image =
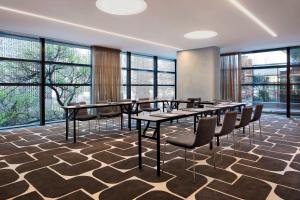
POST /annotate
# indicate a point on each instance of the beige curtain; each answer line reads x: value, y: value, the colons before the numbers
x: 107, y: 74
x: 230, y: 78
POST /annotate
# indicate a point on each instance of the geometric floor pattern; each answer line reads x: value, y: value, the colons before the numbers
x: 37, y: 163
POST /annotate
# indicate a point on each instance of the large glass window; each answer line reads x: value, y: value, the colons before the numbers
x: 142, y: 77
x: 68, y: 77
x: 124, y: 75
x: 166, y: 79
x: 264, y: 79
x: 147, y: 81
x: 295, y: 81
x: 19, y: 80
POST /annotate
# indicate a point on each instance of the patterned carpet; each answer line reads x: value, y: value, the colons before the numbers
x: 37, y: 163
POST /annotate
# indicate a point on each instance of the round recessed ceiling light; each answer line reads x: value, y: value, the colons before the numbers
x: 200, y: 34
x: 121, y: 7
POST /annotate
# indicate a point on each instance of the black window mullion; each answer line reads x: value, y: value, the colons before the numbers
x: 128, y: 74
x: 175, y: 79
x: 155, y: 81
x: 42, y: 83
x: 288, y: 83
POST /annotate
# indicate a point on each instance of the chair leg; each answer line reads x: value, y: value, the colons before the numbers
x: 259, y: 127
x: 162, y: 168
x: 194, y: 174
x: 221, y: 149
x: 253, y: 130
x: 233, y: 139
x: 185, y: 154
x: 78, y: 129
x: 250, y: 135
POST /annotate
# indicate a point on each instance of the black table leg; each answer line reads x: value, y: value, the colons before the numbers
x: 121, y: 109
x: 74, y: 125
x: 140, y: 142
x: 129, y: 119
x: 218, y: 116
x: 121, y: 120
x: 195, y: 122
x: 158, y: 148
x: 67, y: 123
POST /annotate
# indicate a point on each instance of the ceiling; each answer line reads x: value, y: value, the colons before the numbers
x: 164, y: 22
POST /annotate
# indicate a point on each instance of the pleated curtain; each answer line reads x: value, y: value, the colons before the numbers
x: 107, y: 74
x: 230, y: 78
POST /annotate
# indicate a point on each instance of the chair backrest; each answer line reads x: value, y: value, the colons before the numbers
x: 205, y: 131
x: 144, y: 105
x: 126, y: 107
x: 228, y: 123
x: 80, y: 112
x: 246, y: 116
x: 193, y: 102
x: 257, y: 112
x: 103, y: 109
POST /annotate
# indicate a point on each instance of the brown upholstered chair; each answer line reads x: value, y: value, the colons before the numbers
x: 129, y: 108
x: 146, y: 107
x: 82, y: 114
x: 106, y: 113
x: 256, y: 116
x: 204, y: 135
x: 227, y: 127
x: 245, y: 120
x: 194, y: 102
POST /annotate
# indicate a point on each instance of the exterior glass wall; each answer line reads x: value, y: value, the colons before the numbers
x: 67, y: 78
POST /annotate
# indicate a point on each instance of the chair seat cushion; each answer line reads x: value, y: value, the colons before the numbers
x: 218, y: 131
x: 85, y: 117
x: 237, y: 124
x: 185, y: 140
x: 109, y: 114
x: 150, y: 109
x: 132, y: 112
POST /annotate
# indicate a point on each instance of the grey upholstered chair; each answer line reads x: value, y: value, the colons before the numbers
x: 203, y: 135
x: 82, y: 114
x: 245, y: 120
x: 227, y: 127
x: 256, y: 116
x: 106, y: 113
x: 146, y: 107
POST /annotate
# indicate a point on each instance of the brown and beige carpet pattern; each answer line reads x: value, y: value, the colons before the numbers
x: 37, y: 163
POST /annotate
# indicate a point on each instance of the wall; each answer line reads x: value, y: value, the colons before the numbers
x: 198, y: 73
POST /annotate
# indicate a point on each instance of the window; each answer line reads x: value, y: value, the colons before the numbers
x: 19, y: 80
x: 264, y: 79
x: 295, y: 81
x: 68, y: 77
x: 146, y: 80
x: 166, y: 79
x: 124, y: 75
x: 142, y: 77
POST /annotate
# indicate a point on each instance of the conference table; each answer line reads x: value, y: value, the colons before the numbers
x: 73, y: 110
x: 128, y: 106
x: 159, y: 118
x: 134, y: 107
